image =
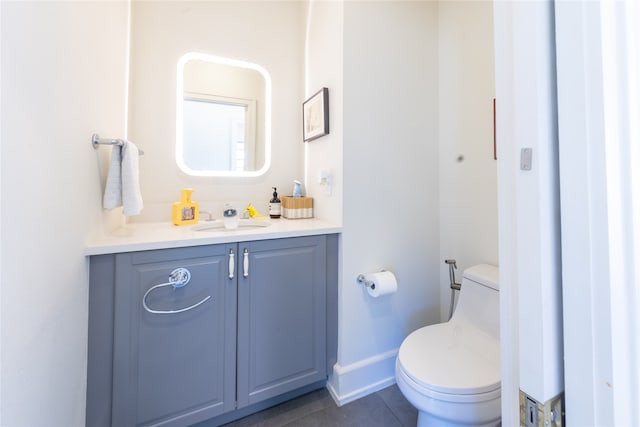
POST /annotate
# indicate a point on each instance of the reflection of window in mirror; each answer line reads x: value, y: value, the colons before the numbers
x: 222, y: 117
x: 218, y: 133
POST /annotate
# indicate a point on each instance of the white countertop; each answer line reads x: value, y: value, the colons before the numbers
x: 162, y: 235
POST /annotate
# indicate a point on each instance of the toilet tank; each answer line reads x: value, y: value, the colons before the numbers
x: 479, y: 300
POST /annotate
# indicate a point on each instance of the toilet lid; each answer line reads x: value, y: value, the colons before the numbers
x: 452, y: 357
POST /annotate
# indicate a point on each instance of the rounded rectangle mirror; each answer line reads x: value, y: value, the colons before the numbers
x: 223, y: 117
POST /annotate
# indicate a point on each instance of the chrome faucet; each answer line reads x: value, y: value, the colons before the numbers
x: 210, y: 218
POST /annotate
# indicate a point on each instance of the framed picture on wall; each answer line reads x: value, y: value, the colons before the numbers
x: 315, y: 115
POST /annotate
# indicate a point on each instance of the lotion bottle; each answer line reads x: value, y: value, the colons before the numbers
x: 274, y: 205
x: 185, y: 211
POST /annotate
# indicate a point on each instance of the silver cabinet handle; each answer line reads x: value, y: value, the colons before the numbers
x: 178, y: 278
x: 245, y: 263
x: 232, y: 264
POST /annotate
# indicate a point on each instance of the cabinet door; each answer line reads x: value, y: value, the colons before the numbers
x: 281, y: 316
x: 173, y: 369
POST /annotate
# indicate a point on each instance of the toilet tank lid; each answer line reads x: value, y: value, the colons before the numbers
x: 485, y: 274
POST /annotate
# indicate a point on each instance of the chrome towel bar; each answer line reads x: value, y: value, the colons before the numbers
x: 96, y: 140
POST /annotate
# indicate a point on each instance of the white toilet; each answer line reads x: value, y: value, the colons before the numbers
x: 451, y: 371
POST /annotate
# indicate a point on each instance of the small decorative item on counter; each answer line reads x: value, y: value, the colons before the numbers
x: 185, y: 211
x: 297, y: 207
x: 297, y: 188
x: 274, y: 205
x: 253, y: 212
x: 230, y: 217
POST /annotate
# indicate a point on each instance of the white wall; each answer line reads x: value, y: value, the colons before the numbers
x: 468, y: 186
x: 269, y: 34
x: 598, y: 106
x: 531, y: 330
x: 390, y: 208
x: 63, y: 77
x: 538, y: 207
x: 324, y: 68
x: 598, y: 47
x: 507, y: 167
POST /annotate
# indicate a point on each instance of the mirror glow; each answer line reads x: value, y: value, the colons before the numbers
x: 223, y: 117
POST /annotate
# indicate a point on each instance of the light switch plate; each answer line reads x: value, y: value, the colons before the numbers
x: 525, y: 159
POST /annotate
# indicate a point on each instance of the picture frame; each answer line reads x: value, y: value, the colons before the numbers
x: 315, y: 115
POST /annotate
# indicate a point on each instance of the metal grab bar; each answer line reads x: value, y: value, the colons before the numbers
x: 178, y: 279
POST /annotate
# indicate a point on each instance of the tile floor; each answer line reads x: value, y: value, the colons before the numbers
x: 385, y: 408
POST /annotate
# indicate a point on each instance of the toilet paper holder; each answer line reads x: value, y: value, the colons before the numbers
x: 362, y: 279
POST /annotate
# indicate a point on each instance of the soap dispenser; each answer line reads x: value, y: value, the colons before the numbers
x: 297, y: 188
x: 274, y: 205
x: 185, y: 211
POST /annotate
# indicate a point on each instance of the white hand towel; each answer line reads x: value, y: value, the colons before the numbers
x: 113, y: 190
x: 123, y: 183
x: 131, y: 196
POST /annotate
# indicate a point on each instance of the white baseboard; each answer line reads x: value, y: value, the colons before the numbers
x: 351, y: 382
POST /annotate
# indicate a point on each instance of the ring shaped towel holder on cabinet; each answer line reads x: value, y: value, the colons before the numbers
x: 178, y: 279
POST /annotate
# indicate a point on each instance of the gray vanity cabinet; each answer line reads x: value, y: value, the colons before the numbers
x: 281, y: 317
x: 173, y: 366
x: 250, y: 327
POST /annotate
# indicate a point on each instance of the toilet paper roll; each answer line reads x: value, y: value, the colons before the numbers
x: 382, y: 283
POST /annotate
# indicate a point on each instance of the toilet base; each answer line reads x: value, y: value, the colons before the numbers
x: 434, y: 412
x: 427, y: 420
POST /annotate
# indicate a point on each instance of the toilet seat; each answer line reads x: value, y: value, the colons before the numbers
x: 452, y: 360
x: 403, y: 379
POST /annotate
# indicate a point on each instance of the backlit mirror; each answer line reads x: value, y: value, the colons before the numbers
x: 223, y: 117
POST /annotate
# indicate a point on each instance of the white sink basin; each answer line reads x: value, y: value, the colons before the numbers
x: 218, y: 225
